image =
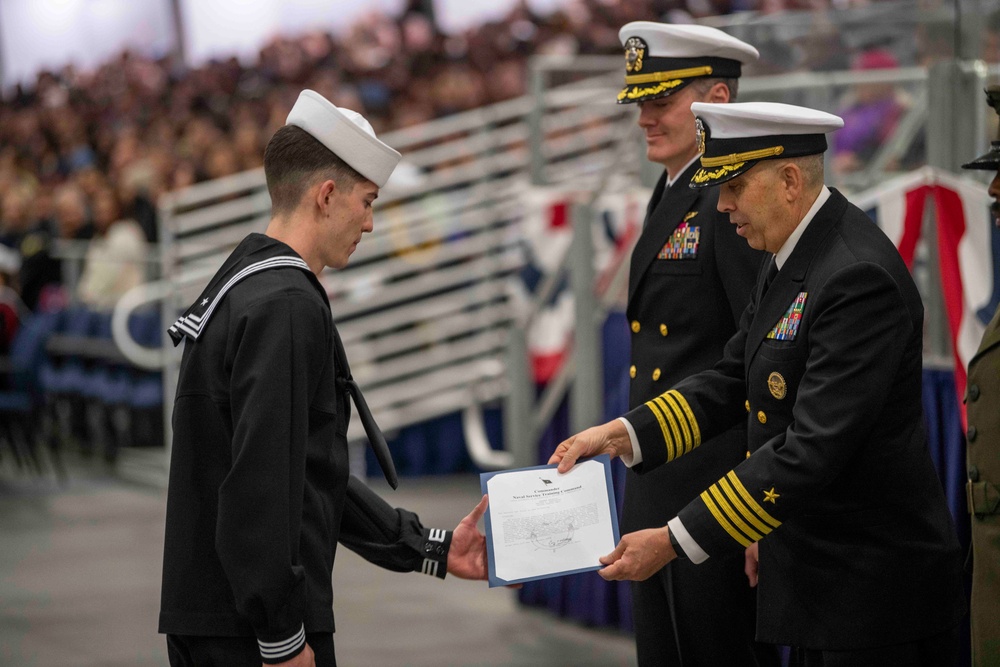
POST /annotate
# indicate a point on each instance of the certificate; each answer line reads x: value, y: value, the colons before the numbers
x: 541, y: 524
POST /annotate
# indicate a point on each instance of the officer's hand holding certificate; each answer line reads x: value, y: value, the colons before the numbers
x: 542, y: 524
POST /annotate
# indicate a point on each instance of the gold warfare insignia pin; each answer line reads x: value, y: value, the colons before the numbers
x: 700, y: 134
x: 690, y: 214
x: 776, y: 384
x: 635, y: 50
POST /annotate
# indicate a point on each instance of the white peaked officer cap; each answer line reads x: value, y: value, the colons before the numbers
x: 346, y: 133
x: 662, y: 58
x: 733, y: 138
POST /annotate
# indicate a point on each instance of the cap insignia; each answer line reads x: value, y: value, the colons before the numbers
x: 699, y: 128
x: 635, y: 50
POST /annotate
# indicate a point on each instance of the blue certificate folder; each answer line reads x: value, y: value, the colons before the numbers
x: 485, y: 477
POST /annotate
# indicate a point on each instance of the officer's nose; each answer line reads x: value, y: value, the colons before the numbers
x: 646, y: 116
x: 727, y: 202
x: 994, y: 190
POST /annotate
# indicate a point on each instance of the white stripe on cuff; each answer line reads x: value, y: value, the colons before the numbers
x: 430, y: 567
x: 275, y: 650
x: 694, y: 552
x: 437, y: 535
x: 636, y: 458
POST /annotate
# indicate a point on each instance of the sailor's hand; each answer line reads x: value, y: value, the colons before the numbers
x: 467, y: 555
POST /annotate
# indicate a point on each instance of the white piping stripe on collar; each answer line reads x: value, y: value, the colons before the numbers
x: 200, y: 321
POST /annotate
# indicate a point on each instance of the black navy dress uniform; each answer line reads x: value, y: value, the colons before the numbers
x: 259, y: 491
x: 690, y: 279
x: 857, y: 547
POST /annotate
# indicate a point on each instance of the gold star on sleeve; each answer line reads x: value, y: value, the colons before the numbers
x: 736, y: 511
x: 771, y: 496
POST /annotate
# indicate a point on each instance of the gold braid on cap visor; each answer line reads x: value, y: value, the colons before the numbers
x: 733, y: 158
x: 635, y: 93
x: 664, y: 81
x: 702, y: 176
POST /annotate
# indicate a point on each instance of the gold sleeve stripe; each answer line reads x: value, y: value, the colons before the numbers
x: 737, y: 502
x: 673, y: 441
x: 676, y: 448
x: 663, y: 427
x: 669, y: 400
x: 707, y: 499
x: 751, y: 503
x: 721, y: 501
x: 695, y: 431
x: 675, y: 423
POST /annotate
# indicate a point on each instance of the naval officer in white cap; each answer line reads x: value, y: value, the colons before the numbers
x: 259, y: 492
x: 688, y: 255
x: 858, y: 560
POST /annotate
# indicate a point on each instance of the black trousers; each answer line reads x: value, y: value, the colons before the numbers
x: 190, y: 651
x: 704, y: 615
x: 940, y: 650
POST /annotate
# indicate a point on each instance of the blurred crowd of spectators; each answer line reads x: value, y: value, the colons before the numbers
x: 85, y: 155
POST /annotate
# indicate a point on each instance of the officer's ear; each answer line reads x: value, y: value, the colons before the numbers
x: 792, y: 180
x: 719, y: 93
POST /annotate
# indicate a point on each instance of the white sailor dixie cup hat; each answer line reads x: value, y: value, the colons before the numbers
x: 346, y: 133
x: 733, y: 138
x: 661, y: 58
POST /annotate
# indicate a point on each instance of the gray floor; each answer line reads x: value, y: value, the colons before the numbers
x: 79, y: 587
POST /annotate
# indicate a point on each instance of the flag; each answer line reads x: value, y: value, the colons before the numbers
x: 968, y: 249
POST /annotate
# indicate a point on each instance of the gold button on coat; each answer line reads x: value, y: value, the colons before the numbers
x: 635, y: 326
x: 748, y: 406
x: 761, y: 417
x: 663, y: 329
x: 656, y: 374
x: 631, y: 372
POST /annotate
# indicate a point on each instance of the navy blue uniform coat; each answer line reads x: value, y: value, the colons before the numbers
x: 259, y: 491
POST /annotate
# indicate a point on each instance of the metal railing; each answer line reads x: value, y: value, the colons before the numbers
x: 429, y: 302
x: 429, y: 308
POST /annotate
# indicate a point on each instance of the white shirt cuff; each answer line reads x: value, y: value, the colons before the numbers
x: 694, y: 552
x: 636, y: 457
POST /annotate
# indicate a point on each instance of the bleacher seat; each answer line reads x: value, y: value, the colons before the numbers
x: 21, y: 399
